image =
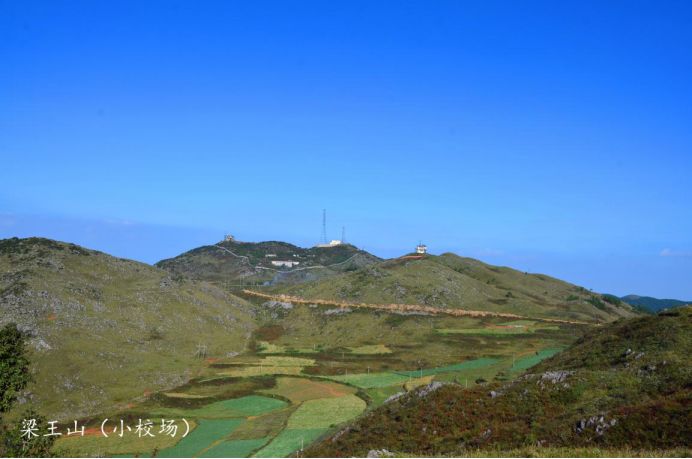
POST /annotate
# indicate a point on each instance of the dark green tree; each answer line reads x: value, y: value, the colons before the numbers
x: 14, y: 366
x: 14, y: 376
x: 17, y: 444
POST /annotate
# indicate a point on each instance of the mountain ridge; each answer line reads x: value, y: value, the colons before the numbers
x: 104, y: 328
x: 267, y: 262
x: 452, y: 281
x: 653, y: 304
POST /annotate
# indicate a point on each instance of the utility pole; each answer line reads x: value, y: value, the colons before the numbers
x: 201, y: 350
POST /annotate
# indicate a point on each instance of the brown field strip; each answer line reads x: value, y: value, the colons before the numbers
x: 394, y: 307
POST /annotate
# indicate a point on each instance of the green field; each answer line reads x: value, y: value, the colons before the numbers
x: 234, y: 448
x: 207, y: 432
x: 367, y: 381
x: 289, y: 441
x: 128, y: 445
x: 531, y: 360
x: 251, y: 405
x: 469, y: 365
x: 310, y: 420
x: 326, y: 412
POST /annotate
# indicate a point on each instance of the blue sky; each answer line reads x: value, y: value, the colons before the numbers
x: 548, y: 136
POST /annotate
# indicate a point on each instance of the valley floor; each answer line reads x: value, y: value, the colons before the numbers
x: 312, y: 369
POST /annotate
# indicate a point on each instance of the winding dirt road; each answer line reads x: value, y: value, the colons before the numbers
x: 394, y: 307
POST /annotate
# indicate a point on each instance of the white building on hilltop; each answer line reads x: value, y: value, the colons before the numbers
x: 422, y: 249
x: 287, y: 263
x: 332, y: 243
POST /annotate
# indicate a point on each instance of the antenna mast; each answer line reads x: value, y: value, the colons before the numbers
x: 343, y: 235
x: 324, y: 226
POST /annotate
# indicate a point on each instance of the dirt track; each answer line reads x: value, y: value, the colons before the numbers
x: 407, y: 308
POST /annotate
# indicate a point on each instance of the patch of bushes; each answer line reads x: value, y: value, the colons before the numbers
x: 597, y: 302
x: 612, y: 299
x: 643, y: 405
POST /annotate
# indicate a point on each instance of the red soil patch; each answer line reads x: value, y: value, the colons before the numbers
x: 90, y: 432
x: 301, y: 389
x: 269, y: 332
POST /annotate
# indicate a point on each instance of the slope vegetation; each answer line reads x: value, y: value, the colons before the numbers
x: 624, y: 385
x: 235, y: 262
x: 653, y: 304
x: 104, y: 330
x: 450, y: 281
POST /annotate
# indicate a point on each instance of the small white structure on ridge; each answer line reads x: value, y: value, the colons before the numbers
x: 287, y: 263
x: 332, y: 243
x: 421, y: 249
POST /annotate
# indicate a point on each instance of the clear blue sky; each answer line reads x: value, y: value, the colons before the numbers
x: 548, y: 136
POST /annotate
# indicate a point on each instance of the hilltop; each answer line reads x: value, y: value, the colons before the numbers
x: 622, y: 386
x: 104, y: 330
x: 451, y: 281
x: 653, y: 304
x: 251, y: 262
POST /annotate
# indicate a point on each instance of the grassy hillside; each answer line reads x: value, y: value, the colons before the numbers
x: 234, y: 262
x: 653, y: 304
x: 104, y: 330
x: 450, y: 281
x: 623, y: 386
x: 329, y: 365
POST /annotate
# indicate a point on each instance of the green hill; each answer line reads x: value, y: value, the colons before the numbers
x: 234, y: 262
x: 104, y: 330
x: 626, y: 386
x: 653, y: 304
x: 450, y: 281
